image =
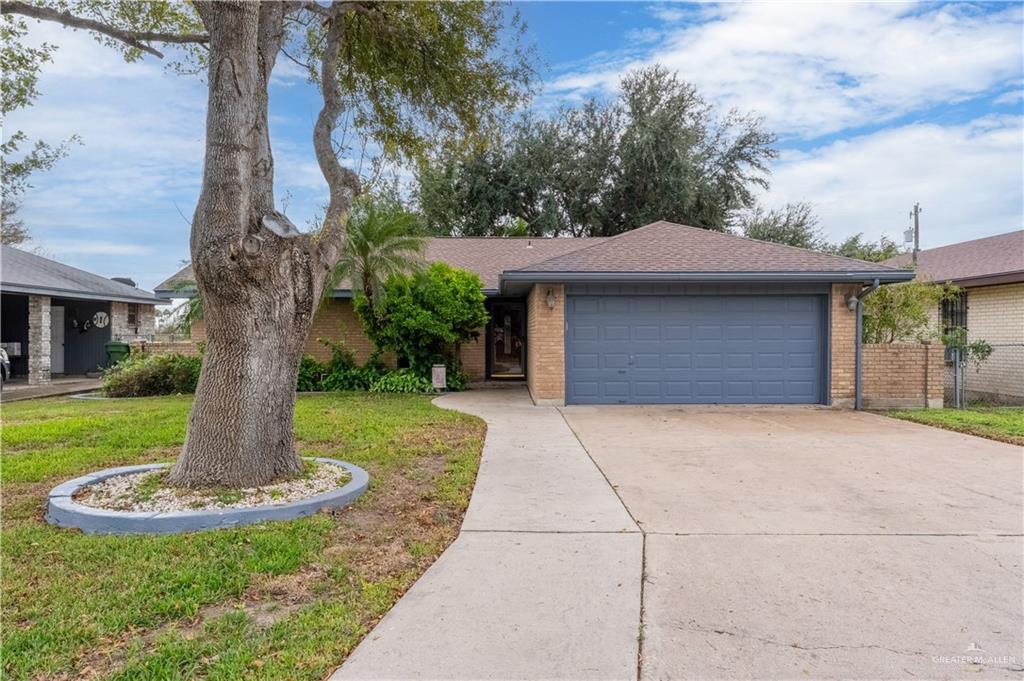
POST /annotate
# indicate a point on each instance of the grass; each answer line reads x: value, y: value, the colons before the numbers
x: 270, y: 601
x: 1005, y: 424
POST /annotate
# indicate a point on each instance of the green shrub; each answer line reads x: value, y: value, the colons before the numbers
x: 401, y: 381
x: 456, y: 376
x: 311, y: 375
x: 424, y: 317
x: 341, y: 372
x: 141, y: 375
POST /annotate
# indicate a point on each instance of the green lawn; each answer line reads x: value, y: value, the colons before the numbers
x: 997, y: 423
x: 271, y: 601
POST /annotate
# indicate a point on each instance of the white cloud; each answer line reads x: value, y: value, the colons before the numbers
x: 1014, y: 96
x: 817, y: 68
x: 968, y: 179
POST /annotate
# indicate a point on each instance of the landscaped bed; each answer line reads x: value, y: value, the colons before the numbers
x: 1005, y: 424
x: 149, y: 492
x: 272, y: 600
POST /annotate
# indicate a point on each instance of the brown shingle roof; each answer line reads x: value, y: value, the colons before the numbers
x: 665, y: 247
x: 989, y: 257
x: 490, y: 256
x: 487, y: 256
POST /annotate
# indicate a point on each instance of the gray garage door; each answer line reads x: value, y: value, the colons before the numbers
x: 674, y: 349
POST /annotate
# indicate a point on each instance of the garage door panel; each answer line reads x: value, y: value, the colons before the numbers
x: 693, y: 349
x: 615, y: 305
x: 646, y: 332
x: 585, y: 332
x: 647, y: 360
x: 739, y: 360
x: 615, y: 332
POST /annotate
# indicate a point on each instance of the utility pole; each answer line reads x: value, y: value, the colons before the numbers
x: 916, y: 215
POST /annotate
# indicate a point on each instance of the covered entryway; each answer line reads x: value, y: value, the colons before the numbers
x: 695, y: 349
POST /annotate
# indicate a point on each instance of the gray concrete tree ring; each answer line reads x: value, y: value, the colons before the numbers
x: 62, y: 510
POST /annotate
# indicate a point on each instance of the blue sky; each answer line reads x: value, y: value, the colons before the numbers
x: 876, y: 106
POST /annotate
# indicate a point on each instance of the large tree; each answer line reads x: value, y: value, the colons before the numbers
x: 658, y: 151
x: 408, y: 76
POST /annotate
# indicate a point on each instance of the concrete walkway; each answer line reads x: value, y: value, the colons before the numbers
x: 17, y: 390
x: 542, y: 583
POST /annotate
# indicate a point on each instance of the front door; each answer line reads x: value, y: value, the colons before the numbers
x: 56, y: 339
x: 508, y: 340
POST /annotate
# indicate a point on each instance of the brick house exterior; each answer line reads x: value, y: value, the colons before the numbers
x: 786, y: 318
x: 990, y: 273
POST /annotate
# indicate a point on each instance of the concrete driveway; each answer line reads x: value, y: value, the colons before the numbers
x: 811, y: 543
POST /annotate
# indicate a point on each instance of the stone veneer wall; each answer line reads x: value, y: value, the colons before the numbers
x: 145, y: 329
x: 902, y: 375
x: 545, y: 345
x: 844, y: 346
x: 38, y: 339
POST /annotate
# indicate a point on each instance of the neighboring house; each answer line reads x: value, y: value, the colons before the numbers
x: 56, y: 319
x: 990, y: 272
x: 661, y: 314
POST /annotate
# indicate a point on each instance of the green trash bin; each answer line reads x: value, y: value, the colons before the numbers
x: 116, y: 351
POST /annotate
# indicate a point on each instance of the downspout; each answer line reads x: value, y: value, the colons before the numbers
x: 858, y: 302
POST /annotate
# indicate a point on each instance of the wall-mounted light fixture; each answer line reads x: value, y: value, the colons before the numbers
x: 551, y: 299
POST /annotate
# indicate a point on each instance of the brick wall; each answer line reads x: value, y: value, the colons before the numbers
x: 183, y: 347
x: 545, y: 345
x: 38, y: 339
x: 996, y: 314
x: 474, y: 359
x: 902, y: 375
x: 844, y: 346
x: 337, y: 321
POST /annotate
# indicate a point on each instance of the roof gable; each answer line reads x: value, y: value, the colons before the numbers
x: 666, y: 247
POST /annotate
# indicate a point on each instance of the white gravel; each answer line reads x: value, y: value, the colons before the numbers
x: 121, y: 492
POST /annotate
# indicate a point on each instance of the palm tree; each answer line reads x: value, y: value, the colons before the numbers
x: 380, y: 241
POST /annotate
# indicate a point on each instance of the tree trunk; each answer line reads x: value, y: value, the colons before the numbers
x: 259, y: 278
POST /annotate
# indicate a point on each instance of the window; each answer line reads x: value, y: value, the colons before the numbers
x: 954, y: 316
x: 133, y: 316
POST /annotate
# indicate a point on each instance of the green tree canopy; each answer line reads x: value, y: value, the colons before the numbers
x: 857, y: 247
x: 658, y: 152
x: 794, y: 225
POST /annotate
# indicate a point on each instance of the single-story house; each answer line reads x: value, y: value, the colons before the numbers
x: 56, y: 319
x: 990, y: 274
x: 662, y: 314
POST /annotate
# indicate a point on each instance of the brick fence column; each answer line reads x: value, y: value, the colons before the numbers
x: 935, y: 369
x: 38, y: 339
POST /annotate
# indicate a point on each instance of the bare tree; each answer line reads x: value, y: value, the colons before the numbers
x: 411, y: 74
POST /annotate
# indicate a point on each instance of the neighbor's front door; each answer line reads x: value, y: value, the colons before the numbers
x: 508, y: 340
x: 56, y: 339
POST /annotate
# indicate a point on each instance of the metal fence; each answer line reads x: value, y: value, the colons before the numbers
x: 997, y: 380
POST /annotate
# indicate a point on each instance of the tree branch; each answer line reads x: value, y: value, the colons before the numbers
x: 342, y: 182
x: 136, y: 39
